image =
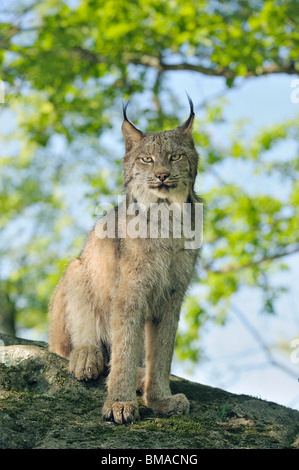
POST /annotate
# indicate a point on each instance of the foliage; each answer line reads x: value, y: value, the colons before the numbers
x: 68, y: 65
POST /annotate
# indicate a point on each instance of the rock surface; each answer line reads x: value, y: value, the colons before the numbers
x: 43, y: 407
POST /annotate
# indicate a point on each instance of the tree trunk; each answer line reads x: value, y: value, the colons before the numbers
x: 8, y: 313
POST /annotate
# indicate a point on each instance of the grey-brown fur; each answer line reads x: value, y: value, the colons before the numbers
x: 118, y: 304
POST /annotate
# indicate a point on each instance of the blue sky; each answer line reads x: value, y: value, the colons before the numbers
x: 234, y: 359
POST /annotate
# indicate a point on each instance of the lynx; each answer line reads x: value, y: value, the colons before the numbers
x: 117, y: 306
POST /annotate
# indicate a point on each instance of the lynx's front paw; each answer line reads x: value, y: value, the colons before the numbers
x: 86, y: 362
x: 120, y: 411
x: 170, y: 405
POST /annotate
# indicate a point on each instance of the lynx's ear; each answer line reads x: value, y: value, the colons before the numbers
x: 131, y: 134
x: 186, y: 128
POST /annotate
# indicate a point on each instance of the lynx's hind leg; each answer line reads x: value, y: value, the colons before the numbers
x: 59, y: 337
x: 86, y: 362
x: 77, y: 318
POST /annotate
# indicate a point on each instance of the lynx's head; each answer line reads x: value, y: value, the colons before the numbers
x: 160, y: 166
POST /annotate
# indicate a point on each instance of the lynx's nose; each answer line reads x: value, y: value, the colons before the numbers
x: 162, y: 175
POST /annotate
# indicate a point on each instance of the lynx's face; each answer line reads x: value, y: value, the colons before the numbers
x: 160, y: 166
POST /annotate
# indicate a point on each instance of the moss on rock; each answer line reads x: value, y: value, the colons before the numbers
x: 43, y: 406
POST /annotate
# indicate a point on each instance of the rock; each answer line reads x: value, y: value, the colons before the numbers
x: 43, y: 407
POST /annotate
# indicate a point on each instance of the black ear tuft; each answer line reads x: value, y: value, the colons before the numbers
x: 131, y: 134
x: 186, y: 127
x: 125, y: 110
x: 192, y: 114
x: 190, y: 103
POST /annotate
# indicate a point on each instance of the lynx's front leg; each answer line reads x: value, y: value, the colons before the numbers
x: 126, y: 333
x: 160, y: 336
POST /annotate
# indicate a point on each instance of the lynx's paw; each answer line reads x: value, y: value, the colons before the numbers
x: 120, y: 411
x: 174, y: 404
x: 86, y: 362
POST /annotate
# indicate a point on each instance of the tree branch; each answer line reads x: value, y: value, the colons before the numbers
x: 157, y: 63
x: 228, y: 73
x: 259, y: 339
x: 239, y: 267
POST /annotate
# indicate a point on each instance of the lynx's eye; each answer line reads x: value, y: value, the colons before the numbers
x: 147, y: 159
x: 175, y: 158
